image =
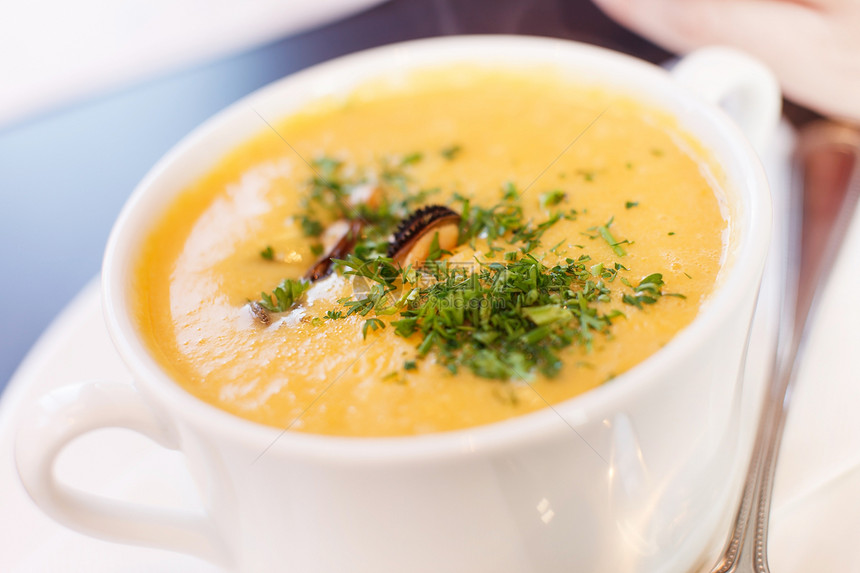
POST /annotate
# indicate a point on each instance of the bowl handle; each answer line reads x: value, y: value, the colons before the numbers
x: 744, y: 87
x: 72, y: 411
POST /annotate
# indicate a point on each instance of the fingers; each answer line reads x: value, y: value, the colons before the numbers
x: 811, y: 47
x: 682, y: 25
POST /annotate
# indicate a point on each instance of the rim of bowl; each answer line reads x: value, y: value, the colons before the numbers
x: 123, y: 248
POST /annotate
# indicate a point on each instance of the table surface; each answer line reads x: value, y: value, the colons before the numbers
x: 65, y: 175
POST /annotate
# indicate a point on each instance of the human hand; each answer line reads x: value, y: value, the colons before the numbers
x: 813, y: 46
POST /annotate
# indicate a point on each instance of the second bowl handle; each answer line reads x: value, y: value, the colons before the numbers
x: 72, y: 411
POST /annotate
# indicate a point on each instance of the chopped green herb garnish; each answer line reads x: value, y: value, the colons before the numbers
x: 451, y: 152
x: 543, y: 315
x: 373, y: 324
x: 631, y: 204
x: 268, y: 253
x: 502, y: 321
x: 670, y: 233
x: 311, y: 227
x: 603, y: 230
x: 284, y: 295
x: 555, y: 247
x: 327, y: 166
x: 329, y: 198
x: 435, y: 253
x: 494, y: 223
x: 552, y: 198
x: 510, y: 192
x: 648, y: 291
x: 411, y: 158
x: 507, y: 316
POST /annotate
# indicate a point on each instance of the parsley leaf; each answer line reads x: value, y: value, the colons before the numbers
x: 451, y: 152
x: 284, y: 295
x: 372, y: 324
x: 604, y: 232
x: 648, y: 291
x: 552, y: 198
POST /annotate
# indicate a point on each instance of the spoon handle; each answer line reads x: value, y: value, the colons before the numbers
x: 822, y: 202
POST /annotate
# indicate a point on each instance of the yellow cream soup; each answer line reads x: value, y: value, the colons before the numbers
x: 563, y: 147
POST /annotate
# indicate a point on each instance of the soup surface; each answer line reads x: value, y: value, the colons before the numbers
x: 589, y: 234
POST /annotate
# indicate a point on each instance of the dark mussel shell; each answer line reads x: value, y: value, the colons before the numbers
x: 417, y: 224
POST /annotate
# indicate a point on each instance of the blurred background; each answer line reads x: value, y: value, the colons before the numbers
x: 93, y: 92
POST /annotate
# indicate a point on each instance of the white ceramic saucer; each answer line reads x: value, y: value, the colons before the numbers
x: 817, y: 510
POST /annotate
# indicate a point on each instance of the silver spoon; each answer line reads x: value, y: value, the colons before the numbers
x: 823, y: 199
